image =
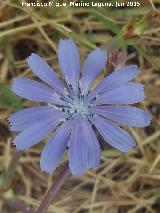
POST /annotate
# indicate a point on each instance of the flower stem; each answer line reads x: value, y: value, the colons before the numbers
x: 52, y: 192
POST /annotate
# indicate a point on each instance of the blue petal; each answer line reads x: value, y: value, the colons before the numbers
x: 54, y: 149
x: 84, y: 149
x: 35, y: 91
x: 41, y: 69
x: 126, y: 115
x: 128, y: 94
x: 93, y: 65
x: 116, y: 79
x: 69, y: 62
x: 114, y: 135
x: 35, y: 134
x: 28, y: 117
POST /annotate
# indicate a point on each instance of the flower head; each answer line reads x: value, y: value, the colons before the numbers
x: 71, y: 109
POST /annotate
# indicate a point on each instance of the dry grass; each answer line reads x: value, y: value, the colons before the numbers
x: 124, y: 182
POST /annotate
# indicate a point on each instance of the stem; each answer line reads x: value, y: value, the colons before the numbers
x: 52, y: 192
x: 9, y: 174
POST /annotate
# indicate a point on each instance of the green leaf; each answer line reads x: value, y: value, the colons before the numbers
x: 107, y: 22
x: 8, y: 98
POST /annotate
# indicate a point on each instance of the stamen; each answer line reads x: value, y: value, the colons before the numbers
x: 76, y: 104
x: 64, y: 99
x: 72, y: 92
x: 95, y: 98
x: 63, y: 109
x: 70, y: 88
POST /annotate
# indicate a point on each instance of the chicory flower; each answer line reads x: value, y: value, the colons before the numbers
x: 71, y: 108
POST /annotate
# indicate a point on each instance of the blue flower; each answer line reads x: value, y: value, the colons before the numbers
x: 71, y: 109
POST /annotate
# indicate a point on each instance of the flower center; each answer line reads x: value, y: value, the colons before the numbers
x: 79, y: 107
x: 75, y: 105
